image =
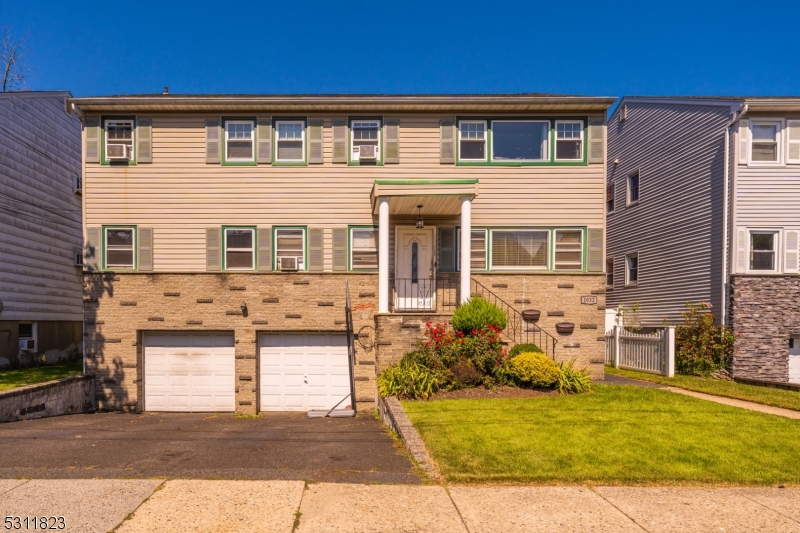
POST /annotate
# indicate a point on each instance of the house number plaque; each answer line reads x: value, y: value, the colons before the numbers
x: 589, y: 300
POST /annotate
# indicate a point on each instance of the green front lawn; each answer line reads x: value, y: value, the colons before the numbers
x: 613, y: 435
x: 776, y: 397
x: 11, y: 379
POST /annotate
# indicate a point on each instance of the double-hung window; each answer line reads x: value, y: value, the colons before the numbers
x: 520, y: 140
x: 240, y: 248
x: 477, y: 249
x: 239, y: 141
x: 568, y: 250
x: 610, y: 273
x: 569, y: 140
x: 363, y: 249
x: 519, y: 249
x: 766, y: 142
x: 633, y: 188
x: 119, y: 140
x: 290, y: 141
x: 472, y: 140
x: 365, y: 140
x: 610, y: 198
x: 120, y: 248
x: 632, y: 269
x: 763, y: 250
x: 290, y: 243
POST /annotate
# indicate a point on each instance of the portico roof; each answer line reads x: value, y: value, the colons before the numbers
x: 438, y: 197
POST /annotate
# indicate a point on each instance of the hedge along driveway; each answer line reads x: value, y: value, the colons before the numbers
x: 614, y: 435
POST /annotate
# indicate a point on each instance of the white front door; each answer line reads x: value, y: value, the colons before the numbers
x: 415, y: 276
x: 794, y: 359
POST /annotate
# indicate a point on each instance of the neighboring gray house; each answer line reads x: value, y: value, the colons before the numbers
x: 703, y: 206
x: 40, y: 228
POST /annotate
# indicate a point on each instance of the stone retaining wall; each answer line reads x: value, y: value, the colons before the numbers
x: 53, y: 398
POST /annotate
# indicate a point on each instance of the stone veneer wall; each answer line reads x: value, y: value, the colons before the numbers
x: 764, y: 311
x: 119, y: 307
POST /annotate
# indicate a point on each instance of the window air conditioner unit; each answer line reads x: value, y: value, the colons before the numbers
x: 78, y: 258
x: 27, y: 345
x: 367, y: 152
x: 288, y: 263
x: 117, y: 152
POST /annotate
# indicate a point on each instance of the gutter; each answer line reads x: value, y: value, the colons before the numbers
x: 729, y: 164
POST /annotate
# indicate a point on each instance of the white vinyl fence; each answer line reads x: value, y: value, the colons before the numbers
x: 648, y: 352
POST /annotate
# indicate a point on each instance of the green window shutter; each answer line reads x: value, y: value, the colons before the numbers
x: 315, y: 250
x: 596, y: 148
x: 145, y: 251
x: 391, y: 141
x: 340, y: 249
x: 92, y: 250
x: 264, y: 140
x: 315, y: 141
x: 92, y: 128
x: 447, y: 250
x: 339, y: 126
x: 213, y: 249
x: 144, y: 140
x: 744, y: 142
x: 594, y: 261
x: 447, y: 142
x: 265, y: 249
x: 213, y: 152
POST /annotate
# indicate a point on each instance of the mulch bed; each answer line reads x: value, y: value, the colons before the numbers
x: 503, y: 391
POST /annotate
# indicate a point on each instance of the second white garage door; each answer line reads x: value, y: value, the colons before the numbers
x: 303, y: 371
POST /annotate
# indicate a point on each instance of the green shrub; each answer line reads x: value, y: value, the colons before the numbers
x: 476, y: 315
x: 572, y: 380
x: 522, y: 348
x: 701, y: 347
x: 409, y: 379
x: 534, y: 369
x: 464, y: 374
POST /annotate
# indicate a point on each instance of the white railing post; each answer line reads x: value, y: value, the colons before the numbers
x: 670, y: 339
x: 616, y: 346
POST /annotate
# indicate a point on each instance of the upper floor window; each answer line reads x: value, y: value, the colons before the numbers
x: 364, y: 249
x: 763, y: 249
x: 120, y: 246
x: 290, y: 141
x: 520, y: 140
x: 119, y: 140
x: 472, y: 140
x: 766, y: 141
x: 633, y: 188
x: 632, y: 269
x: 239, y: 140
x: 240, y: 249
x: 519, y: 249
x: 569, y: 140
x: 609, y: 273
x: 610, y: 198
x: 290, y: 246
x: 365, y: 140
x: 568, y: 250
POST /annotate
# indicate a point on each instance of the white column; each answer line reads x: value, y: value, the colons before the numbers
x: 466, y: 251
x: 383, y: 254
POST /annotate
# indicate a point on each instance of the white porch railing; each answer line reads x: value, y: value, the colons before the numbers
x: 647, y: 352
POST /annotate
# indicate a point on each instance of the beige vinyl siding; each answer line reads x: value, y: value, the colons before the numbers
x: 179, y: 194
x: 40, y: 217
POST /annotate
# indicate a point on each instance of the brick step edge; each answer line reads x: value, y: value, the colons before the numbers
x: 393, y: 415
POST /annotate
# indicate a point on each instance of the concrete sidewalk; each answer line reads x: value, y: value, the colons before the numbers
x: 129, y: 506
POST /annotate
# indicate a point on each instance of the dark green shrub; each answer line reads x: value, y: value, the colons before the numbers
x: 408, y: 379
x: 464, y: 374
x: 534, y: 369
x: 476, y: 315
x: 701, y: 347
x: 572, y: 380
x: 521, y: 348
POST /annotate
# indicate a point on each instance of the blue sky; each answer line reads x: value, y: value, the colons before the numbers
x: 578, y: 47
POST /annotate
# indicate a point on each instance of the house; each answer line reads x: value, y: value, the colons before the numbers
x: 701, y: 207
x: 224, y: 232
x: 40, y: 229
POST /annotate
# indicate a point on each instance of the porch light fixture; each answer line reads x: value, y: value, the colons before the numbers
x: 420, y: 223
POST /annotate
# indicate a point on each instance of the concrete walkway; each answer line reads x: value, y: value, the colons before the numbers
x: 129, y: 506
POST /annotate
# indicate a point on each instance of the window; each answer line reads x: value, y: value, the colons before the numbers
x: 763, y: 245
x: 239, y: 249
x: 25, y: 331
x: 120, y: 246
x: 609, y: 273
x: 239, y: 140
x: 365, y: 133
x: 364, y: 249
x: 633, y: 188
x: 766, y: 142
x: 290, y: 142
x: 520, y: 140
x: 632, y: 269
x: 519, y: 249
x: 610, y: 198
x: 569, y: 140
x: 290, y: 243
x: 477, y: 249
x: 568, y: 250
x: 472, y: 140
x: 119, y: 140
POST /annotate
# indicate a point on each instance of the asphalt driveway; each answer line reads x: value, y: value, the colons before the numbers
x: 204, y: 446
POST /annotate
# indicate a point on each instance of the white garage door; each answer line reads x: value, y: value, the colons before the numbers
x: 303, y: 371
x: 192, y: 372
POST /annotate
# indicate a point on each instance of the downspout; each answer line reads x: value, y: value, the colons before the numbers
x: 729, y: 164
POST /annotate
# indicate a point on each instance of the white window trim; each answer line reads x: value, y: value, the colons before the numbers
x: 377, y: 121
x: 485, y: 140
x: 302, y: 138
x: 485, y: 249
x: 582, y: 139
x: 105, y: 246
x: 613, y: 197
x: 781, y: 123
x: 130, y: 121
x: 777, y: 250
x: 352, y: 248
x: 610, y: 271
x: 302, y: 255
x: 252, y: 249
x: 583, y: 254
x: 229, y: 159
x: 492, y: 267
x: 628, y: 282
x: 546, y: 151
x: 628, y: 201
